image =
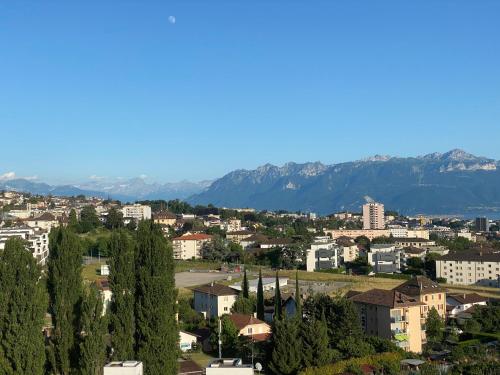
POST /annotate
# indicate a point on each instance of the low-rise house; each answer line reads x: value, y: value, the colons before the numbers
x: 253, y: 240
x: 268, y: 284
x: 470, y: 268
x: 413, y: 242
x: 322, y: 255
x: 165, y: 218
x: 238, y: 236
x: 414, y: 252
x: 251, y: 327
x: 186, y: 340
x: 270, y: 243
x: 190, y: 246
x: 214, y: 300
x: 391, y: 315
x: 458, y: 303
x: 46, y: 221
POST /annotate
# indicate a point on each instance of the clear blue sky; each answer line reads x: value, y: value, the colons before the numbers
x: 113, y: 88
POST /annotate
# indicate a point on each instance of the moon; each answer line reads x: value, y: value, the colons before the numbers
x: 171, y: 19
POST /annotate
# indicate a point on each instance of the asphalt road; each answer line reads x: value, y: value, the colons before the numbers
x: 188, y: 279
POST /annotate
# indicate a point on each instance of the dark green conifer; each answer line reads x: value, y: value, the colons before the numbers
x: 260, y: 298
x: 157, y: 333
x: 278, y: 309
x: 286, y: 357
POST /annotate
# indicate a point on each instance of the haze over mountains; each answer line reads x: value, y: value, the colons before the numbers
x: 455, y: 182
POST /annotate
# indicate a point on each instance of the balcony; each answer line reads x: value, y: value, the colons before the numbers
x: 398, y: 319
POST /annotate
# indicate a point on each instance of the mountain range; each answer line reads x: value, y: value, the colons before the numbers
x: 454, y: 182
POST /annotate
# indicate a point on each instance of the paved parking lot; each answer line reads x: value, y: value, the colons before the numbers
x: 188, y: 279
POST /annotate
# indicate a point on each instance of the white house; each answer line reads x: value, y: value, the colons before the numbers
x: 186, y: 340
x: 228, y: 366
x: 458, y: 303
x: 214, y: 299
x: 323, y: 254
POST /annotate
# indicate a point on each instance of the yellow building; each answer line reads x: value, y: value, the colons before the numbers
x: 165, y: 218
x: 391, y: 315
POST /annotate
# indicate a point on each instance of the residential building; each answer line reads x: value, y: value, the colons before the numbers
x: 348, y: 249
x: 137, y: 212
x: 251, y: 327
x: 37, y: 240
x: 186, y: 340
x: 238, y: 236
x: 398, y: 231
x: 458, y: 303
x: 373, y: 216
x: 123, y: 368
x: 385, y: 258
x: 228, y: 366
x: 46, y: 221
x: 190, y: 246
x: 470, y: 268
x: 413, y: 242
x: 482, y: 224
x: 270, y: 243
x: 429, y: 293
x: 231, y: 225
x: 391, y: 315
x: 322, y: 255
x: 354, y: 233
x: 165, y: 218
x: 214, y: 299
x: 268, y: 284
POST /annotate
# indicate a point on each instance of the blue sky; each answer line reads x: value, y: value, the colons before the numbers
x: 113, y: 88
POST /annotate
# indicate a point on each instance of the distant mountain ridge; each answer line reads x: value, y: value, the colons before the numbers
x: 454, y: 182
x: 438, y: 183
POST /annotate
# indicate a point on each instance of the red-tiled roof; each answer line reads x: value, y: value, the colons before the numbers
x: 243, y: 320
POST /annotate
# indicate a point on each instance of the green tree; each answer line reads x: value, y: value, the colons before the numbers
x: 73, y: 221
x: 244, y: 305
x: 315, y: 349
x: 114, y: 220
x: 244, y: 285
x: 229, y: 337
x: 298, y: 302
x: 286, y: 357
x: 122, y: 285
x: 260, y: 298
x: 22, y: 309
x: 65, y: 292
x: 157, y: 333
x: 278, y: 308
x: 89, y: 219
x: 472, y: 326
x: 93, y: 329
x: 434, y: 326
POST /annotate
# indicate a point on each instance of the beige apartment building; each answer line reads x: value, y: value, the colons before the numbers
x: 354, y: 233
x: 190, y: 246
x: 391, y: 315
x: 137, y: 212
x: 214, y: 300
x: 165, y: 218
x: 467, y: 268
x: 373, y: 216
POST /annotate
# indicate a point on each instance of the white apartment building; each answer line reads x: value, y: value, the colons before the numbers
x: 190, y: 246
x: 403, y: 232
x: 385, y: 258
x: 373, y: 216
x: 214, y: 299
x: 467, y: 268
x: 231, y: 225
x: 38, y: 241
x: 322, y: 255
x: 137, y: 212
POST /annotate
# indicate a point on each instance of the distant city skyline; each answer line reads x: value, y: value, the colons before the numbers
x: 193, y: 90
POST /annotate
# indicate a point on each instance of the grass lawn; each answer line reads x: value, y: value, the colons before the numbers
x: 202, y: 359
x: 90, y: 272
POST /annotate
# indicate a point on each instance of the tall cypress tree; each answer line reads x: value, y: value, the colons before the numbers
x: 65, y: 292
x: 298, y: 302
x: 278, y: 309
x: 286, y: 357
x: 315, y: 350
x: 122, y: 284
x: 22, y: 309
x: 260, y: 298
x: 157, y: 333
x: 92, y: 331
x: 244, y: 286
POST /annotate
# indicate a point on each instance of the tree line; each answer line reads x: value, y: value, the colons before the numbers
x: 80, y: 338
